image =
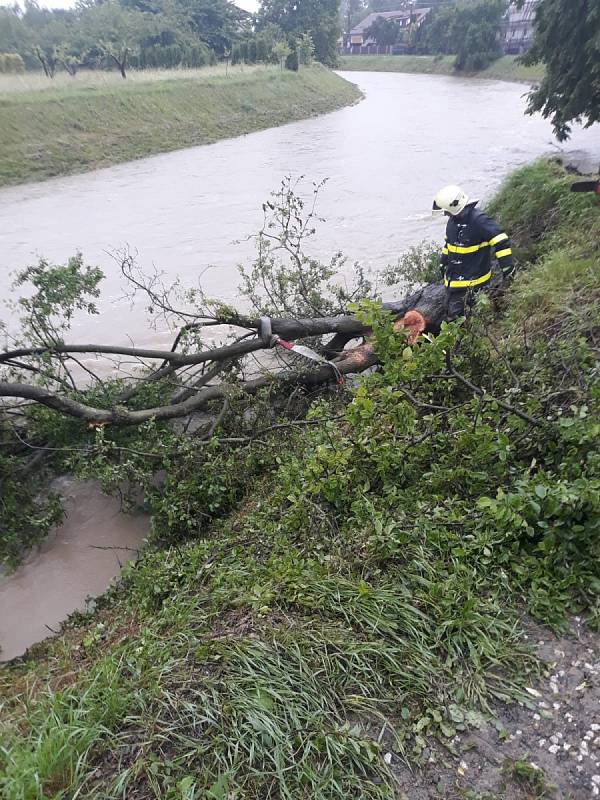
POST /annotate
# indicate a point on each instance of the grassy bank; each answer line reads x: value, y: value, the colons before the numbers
x: 505, y: 68
x: 321, y: 607
x: 89, y: 122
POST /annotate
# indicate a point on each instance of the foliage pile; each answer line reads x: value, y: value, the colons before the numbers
x: 353, y: 583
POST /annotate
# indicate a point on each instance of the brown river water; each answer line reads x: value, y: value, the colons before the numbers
x: 193, y: 209
x: 77, y: 561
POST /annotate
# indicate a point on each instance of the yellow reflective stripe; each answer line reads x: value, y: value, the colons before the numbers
x: 502, y: 253
x: 497, y: 239
x: 466, y: 284
x: 458, y: 249
x: 445, y: 251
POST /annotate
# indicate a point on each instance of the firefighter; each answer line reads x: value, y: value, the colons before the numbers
x: 466, y: 257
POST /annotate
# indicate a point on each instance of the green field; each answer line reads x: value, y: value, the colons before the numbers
x: 95, y: 120
x: 505, y: 68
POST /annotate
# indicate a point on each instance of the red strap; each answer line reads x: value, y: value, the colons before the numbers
x: 285, y: 345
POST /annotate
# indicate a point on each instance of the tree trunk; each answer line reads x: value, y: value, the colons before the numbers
x: 427, y: 304
x: 48, y: 64
x: 70, y: 68
x: 423, y: 312
x: 121, y: 62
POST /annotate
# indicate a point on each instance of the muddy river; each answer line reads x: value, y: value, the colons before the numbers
x: 188, y: 213
x: 76, y: 562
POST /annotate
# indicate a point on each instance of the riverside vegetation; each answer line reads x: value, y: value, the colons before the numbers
x: 507, y: 68
x: 75, y: 126
x: 351, y: 579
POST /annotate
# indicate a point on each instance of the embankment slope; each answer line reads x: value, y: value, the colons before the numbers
x: 344, y: 609
x: 63, y: 130
x: 506, y: 68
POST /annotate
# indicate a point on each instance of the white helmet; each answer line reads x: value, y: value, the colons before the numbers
x: 451, y: 199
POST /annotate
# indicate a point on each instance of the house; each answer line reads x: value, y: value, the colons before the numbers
x: 517, y: 31
x: 357, y: 41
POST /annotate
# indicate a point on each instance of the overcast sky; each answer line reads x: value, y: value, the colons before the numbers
x: 249, y: 5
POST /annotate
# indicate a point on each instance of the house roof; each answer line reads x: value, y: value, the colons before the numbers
x: 402, y: 13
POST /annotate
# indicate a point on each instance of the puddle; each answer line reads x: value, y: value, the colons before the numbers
x: 78, y: 560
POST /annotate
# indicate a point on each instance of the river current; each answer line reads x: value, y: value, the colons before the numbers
x: 189, y: 213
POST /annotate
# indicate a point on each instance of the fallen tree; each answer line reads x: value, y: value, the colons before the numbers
x: 419, y: 312
x: 217, y: 351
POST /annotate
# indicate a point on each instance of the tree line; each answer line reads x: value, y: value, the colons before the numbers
x: 468, y: 29
x: 102, y: 34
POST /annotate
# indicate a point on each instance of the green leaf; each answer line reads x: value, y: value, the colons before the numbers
x: 447, y: 730
x: 421, y: 724
x: 219, y: 789
x: 187, y: 787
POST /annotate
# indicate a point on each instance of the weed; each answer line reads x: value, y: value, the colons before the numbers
x: 530, y: 777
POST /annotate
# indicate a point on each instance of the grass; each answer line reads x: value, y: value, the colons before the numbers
x: 98, y: 120
x: 358, y: 587
x: 102, y: 79
x: 560, y: 231
x: 506, y: 68
x: 530, y: 778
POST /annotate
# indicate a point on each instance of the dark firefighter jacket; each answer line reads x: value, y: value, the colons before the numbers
x: 466, y: 257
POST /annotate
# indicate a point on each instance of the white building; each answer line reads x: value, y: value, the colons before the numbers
x: 518, y: 27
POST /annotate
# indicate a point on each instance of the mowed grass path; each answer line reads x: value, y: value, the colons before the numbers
x: 506, y: 68
x: 95, y: 120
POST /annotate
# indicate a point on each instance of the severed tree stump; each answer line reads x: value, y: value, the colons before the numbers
x: 423, y: 312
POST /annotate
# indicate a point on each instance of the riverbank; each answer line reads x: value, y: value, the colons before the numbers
x: 86, y: 124
x: 505, y: 69
x: 356, y: 608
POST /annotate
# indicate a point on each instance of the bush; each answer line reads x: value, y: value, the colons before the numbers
x: 292, y: 62
x: 11, y: 63
x: 27, y: 512
x: 306, y: 49
x: 172, y: 56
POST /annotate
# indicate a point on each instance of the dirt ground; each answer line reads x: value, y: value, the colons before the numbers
x: 551, y: 750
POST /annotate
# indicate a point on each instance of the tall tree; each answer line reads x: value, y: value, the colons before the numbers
x: 479, y: 42
x: 384, y: 31
x: 567, y: 42
x: 471, y: 31
x: 115, y: 33
x: 14, y: 35
x: 319, y: 18
x: 351, y: 12
x: 219, y: 23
